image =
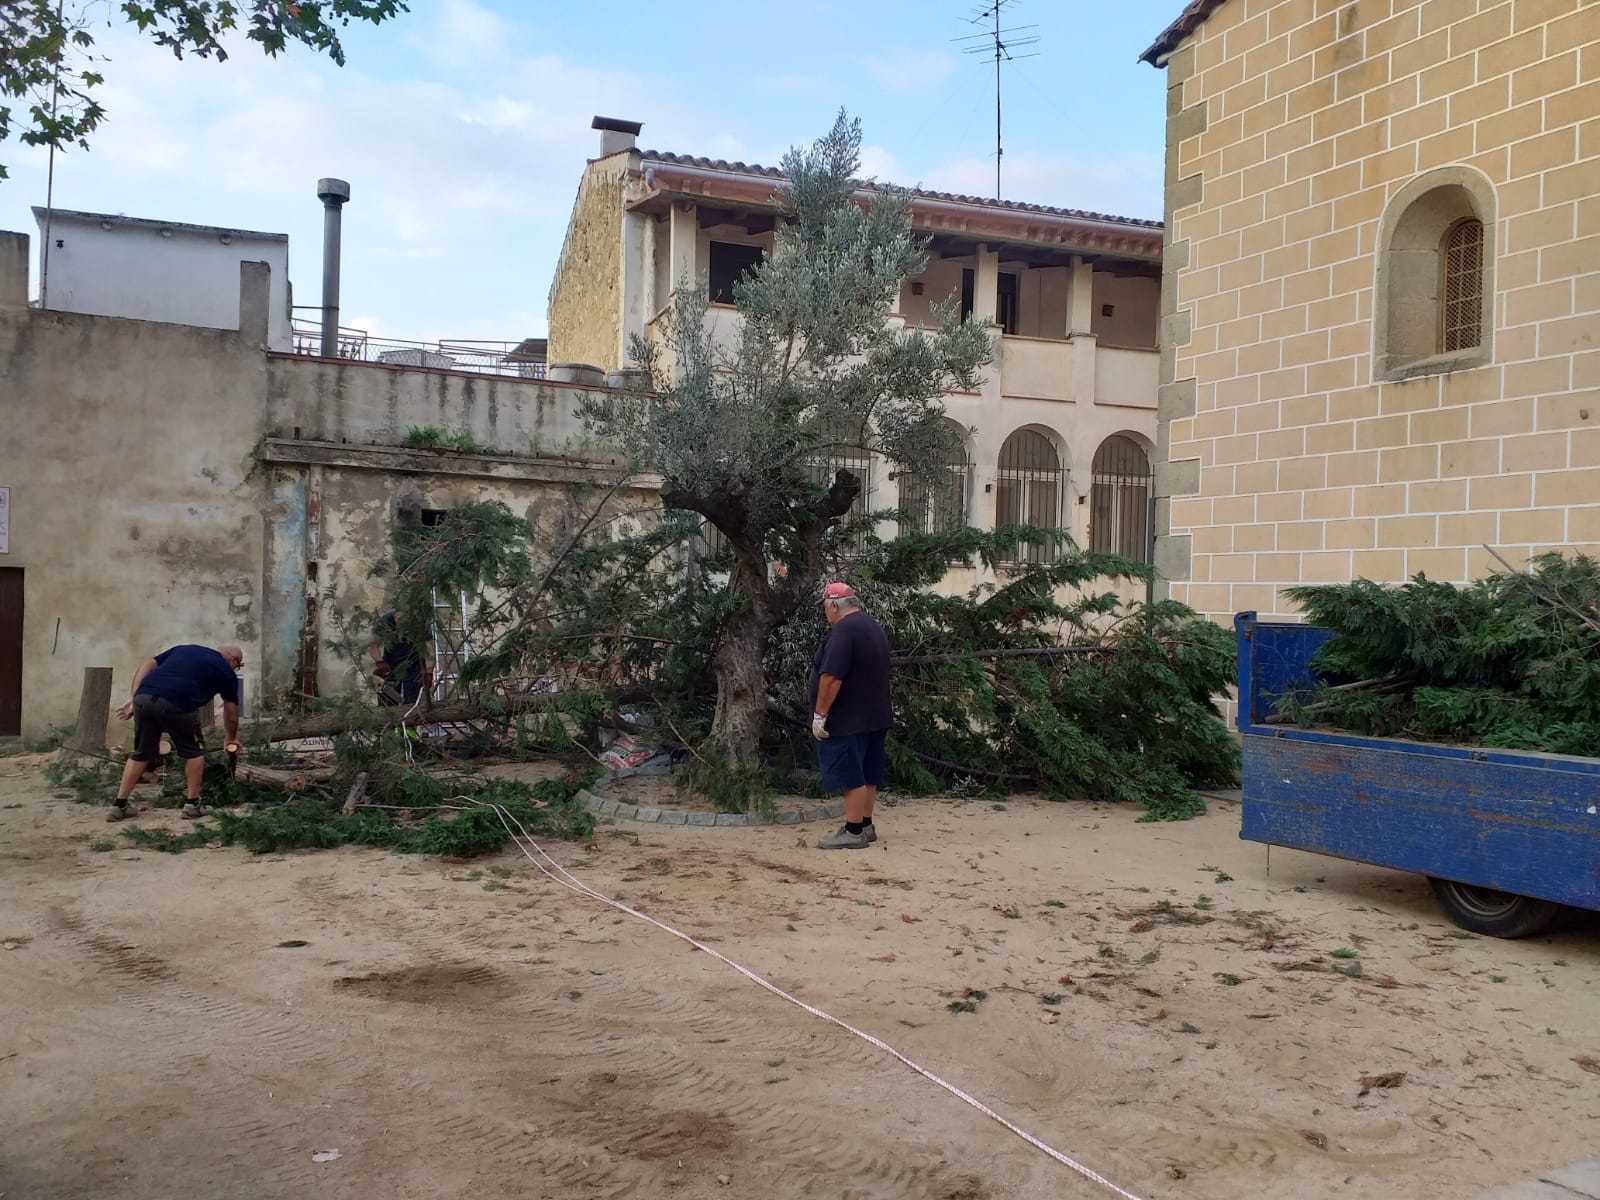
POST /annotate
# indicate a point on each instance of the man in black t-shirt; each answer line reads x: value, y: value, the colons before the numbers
x: 168, y: 693
x: 851, y: 712
x: 398, y: 662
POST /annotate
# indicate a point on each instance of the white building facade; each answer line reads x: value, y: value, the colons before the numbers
x: 1061, y: 432
x: 101, y: 264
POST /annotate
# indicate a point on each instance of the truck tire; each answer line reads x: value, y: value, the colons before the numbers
x: 1492, y: 913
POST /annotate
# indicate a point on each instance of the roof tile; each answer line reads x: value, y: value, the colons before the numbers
x: 719, y: 164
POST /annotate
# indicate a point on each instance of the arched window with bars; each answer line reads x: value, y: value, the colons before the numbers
x: 934, y: 495
x: 1434, y: 287
x: 1030, y: 489
x: 1121, y: 495
x: 842, y: 446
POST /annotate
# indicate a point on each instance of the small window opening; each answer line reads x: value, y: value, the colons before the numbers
x: 730, y: 262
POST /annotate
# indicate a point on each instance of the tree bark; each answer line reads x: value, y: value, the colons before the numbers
x: 94, y: 709
x: 741, y: 688
x: 327, y: 724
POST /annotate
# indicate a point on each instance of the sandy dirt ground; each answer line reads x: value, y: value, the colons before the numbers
x: 1155, y: 1003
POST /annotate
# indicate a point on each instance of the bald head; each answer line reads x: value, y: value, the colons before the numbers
x: 233, y: 653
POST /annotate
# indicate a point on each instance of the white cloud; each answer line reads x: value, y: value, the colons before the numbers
x: 904, y: 69
x: 463, y: 163
x: 461, y: 181
x: 877, y: 163
x: 1124, y: 185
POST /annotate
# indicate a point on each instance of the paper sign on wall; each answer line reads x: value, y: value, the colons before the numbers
x: 5, y: 520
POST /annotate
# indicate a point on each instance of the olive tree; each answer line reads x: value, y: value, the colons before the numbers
x: 738, y: 434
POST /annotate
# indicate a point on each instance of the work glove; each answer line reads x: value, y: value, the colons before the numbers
x: 382, y: 670
x: 819, y: 727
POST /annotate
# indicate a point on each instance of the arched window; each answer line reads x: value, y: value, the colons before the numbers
x: 843, y: 447
x: 1435, y: 276
x: 1030, y: 486
x: 933, y: 496
x: 1120, y: 499
x: 1461, y: 289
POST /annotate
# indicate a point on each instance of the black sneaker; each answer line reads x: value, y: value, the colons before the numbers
x: 120, y: 810
x: 193, y: 811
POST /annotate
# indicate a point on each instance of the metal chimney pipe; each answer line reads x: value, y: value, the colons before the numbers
x: 333, y: 193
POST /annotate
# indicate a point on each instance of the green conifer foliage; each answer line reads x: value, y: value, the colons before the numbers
x: 1512, y: 661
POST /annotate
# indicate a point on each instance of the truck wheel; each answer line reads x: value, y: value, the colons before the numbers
x: 1495, y: 914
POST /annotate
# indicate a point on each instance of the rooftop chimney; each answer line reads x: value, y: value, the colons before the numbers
x: 333, y: 193
x: 616, y: 135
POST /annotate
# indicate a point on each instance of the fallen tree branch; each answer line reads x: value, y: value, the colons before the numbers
x: 1387, y: 686
x: 921, y: 660
x: 358, y: 793
x: 1554, y: 601
x: 284, y: 779
x: 956, y: 768
x: 371, y: 720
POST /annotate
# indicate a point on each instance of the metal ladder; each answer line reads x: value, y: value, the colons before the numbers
x: 452, y: 644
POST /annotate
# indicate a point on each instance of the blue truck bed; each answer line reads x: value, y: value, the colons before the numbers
x: 1513, y: 822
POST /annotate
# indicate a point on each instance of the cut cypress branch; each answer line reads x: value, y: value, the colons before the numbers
x: 1512, y: 661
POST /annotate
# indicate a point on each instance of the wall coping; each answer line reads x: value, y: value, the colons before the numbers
x: 411, y: 460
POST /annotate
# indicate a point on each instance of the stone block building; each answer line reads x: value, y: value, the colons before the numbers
x: 1061, y: 432
x: 1381, y: 292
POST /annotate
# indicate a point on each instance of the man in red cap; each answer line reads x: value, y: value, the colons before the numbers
x: 851, y: 712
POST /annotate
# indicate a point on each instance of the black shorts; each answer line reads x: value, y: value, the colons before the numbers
x: 155, y: 715
x: 852, y: 760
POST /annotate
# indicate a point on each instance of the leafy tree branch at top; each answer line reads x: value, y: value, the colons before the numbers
x: 49, y: 68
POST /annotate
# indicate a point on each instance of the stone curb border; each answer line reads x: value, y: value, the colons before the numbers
x: 604, y: 806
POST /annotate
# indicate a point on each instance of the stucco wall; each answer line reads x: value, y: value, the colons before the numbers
x: 368, y: 403
x: 171, y: 484
x: 128, y: 452
x: 1134, y: 301
x: 188, y: 277
x: 586, y: 299
x: 1293, y: 125
x: 941, y: 285
x: 360, y: 507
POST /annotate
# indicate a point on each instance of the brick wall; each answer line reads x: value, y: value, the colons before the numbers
x: 586, y: 295
x: 1292, y: 124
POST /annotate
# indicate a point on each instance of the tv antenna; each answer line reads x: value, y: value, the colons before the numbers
x: 1002, y: 45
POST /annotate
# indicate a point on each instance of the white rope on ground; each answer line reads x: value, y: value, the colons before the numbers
x: 562, y: 876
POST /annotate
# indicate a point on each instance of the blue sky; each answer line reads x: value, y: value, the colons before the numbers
x: 463, y: 128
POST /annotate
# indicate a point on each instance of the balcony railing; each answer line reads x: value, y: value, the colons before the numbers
x: 506, y: 359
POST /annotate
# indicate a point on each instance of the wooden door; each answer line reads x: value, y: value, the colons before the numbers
x: 10, y: 651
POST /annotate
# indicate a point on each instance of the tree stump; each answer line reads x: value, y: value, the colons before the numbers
x: 358, y: 793
x: 94, y: 712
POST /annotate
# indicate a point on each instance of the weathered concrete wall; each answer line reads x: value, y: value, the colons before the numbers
x: 373, y: 404
x: 128, y: 452
x: 360, y: 506
x: 586, y: 300
x: 172, y: 483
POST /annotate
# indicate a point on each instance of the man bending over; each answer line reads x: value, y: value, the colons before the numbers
x: 168, y: 692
